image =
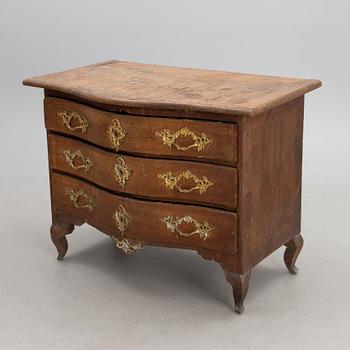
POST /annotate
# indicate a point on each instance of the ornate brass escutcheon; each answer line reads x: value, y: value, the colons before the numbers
x: 172, y: 181
x: 68, y: 118
x: 126, y: 246
x: 81, y: 199
x: 121, y: 172
x: 122, y: 219
x: 170, y: 138
x: 116, y: 133
x: 173, y: 224
x: 85, y: 162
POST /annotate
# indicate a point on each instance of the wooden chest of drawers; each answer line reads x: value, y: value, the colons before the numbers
x: 175, y: 157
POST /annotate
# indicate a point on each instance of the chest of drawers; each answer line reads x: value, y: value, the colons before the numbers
x: 175, y: 157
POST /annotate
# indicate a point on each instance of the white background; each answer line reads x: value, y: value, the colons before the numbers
x: 160, y: 298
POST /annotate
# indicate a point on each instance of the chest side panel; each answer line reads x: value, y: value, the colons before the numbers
x: 270, y: 168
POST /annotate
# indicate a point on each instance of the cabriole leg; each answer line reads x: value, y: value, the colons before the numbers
x: 293, y: 249
x: 240, y: 284
x: 58, y: 236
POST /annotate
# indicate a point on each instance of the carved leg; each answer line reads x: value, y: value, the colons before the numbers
x: 58, y: 236
x: 294, y: 247
x: 240, y: 284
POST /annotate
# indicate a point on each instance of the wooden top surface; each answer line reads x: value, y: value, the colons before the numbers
x: 139, y: 85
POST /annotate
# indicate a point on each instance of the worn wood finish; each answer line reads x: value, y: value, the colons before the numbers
x: 146, y: 223
x: 143, y: 176
x: 154, y: 86
x: 242, y: 132
x: 141, y: 135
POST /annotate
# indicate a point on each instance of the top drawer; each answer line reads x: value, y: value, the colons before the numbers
x: 159, y: 137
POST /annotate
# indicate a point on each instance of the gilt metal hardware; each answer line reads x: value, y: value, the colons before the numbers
x: 72, y: 156
x: 126, y: 246
x: 116, y: 133
x: 173, y: 224
x: 169, y: 139
x: 122, y: 219
x: 76, y: 196
x: 68, y: 117
x: 172, y: 181
x: 122, y: 172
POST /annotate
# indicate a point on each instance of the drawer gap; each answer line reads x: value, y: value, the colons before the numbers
x: 181, y: 114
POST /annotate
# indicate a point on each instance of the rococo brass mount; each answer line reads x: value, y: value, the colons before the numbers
x: 72, y: 156
x: 69, y: 117
x: 81, y: 199
x: 173, y: 224
x: 122, y: 172
x: 116, y: 133
x: 122, y: 219
x: 169, y: 139
x: 126, y: 246
x: 172, y: 181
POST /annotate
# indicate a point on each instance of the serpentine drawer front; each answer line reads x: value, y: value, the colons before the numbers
x: 173, y: 225
x: 177, y: 157
x: 187, y: 139
x: 172, y: 180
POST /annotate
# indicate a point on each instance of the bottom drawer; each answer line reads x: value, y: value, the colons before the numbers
x: 157, y: 223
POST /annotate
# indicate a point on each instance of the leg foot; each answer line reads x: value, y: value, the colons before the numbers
x: 293, y: 249
x: 58, y: 237
x: 240, y: 284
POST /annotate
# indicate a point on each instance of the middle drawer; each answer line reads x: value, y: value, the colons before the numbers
x: 169, y: 180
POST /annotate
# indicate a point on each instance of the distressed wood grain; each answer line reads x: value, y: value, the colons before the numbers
x: 156, y: 86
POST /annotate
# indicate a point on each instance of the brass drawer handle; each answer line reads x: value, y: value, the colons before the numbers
x: 173, y: 224
x: 68, y: 117
x: 169, y: 139
x: 172, y: 181
x: 81, y: 196
x: 122, y: 172
x: 116, y: 133
x: 126, y: 246
x: 122, y: 219
x: 85, y: 162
